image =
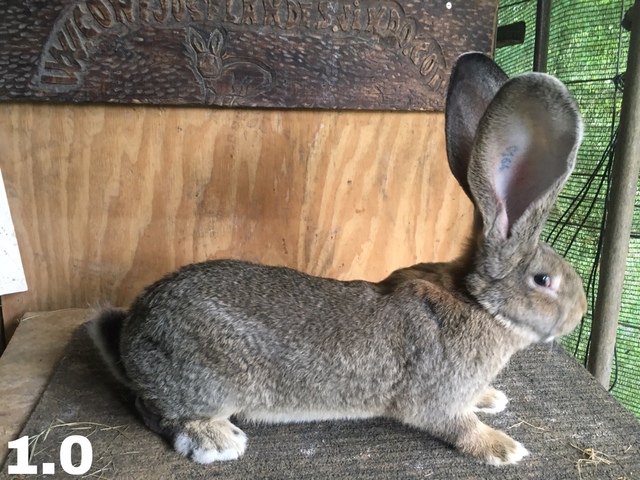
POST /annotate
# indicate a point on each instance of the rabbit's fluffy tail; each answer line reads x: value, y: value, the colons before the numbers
x: 104, y: 329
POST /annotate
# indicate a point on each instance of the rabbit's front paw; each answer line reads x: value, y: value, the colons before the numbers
x: 207, y: 441
x: 491, y: 401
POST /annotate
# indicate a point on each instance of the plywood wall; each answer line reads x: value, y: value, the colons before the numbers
x: 107, y: 199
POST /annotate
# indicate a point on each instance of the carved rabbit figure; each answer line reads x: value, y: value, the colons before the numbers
x: 227, y: 339
x: 222, y: 80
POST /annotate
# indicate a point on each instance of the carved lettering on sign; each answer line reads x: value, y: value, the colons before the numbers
x: 78, y: 31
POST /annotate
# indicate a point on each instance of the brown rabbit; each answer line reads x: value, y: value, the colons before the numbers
x: 229, y: 338
x: 224, y: 79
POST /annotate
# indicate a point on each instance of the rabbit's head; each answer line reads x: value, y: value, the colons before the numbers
x: 512, y: 144
x: 206, y: 53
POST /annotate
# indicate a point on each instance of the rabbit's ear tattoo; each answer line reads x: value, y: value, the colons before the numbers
x: 216, y: 39
x: 474, y: 82
x: 523, y: 153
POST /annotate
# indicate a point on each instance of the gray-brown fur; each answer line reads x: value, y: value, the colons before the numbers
x: 229, y: 338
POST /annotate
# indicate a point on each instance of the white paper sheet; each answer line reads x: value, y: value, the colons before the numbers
x: 12, y: 277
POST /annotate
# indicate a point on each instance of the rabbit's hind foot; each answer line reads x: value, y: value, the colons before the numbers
x: 492, y: 446
x: 211, y: 440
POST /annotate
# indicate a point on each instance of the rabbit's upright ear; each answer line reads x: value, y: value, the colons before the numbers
x: 474, y: 82
x: 196, y: 41
x: 523, y: 153
x: 216, y: 39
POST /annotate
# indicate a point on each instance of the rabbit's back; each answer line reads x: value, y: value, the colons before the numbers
x: 229, y: 332
x: 241, y: 78
x: 235, y: 294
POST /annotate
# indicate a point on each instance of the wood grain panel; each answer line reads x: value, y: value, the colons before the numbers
x: 107, y: 199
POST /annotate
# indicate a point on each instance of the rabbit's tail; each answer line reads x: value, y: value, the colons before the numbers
x: 104, y: 330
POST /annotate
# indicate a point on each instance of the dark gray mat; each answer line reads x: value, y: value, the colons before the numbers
x: 557, y: 411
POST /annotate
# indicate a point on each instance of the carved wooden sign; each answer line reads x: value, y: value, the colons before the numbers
x: 348, y: 54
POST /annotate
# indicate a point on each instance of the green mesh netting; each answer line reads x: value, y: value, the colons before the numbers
x: 587, y: 50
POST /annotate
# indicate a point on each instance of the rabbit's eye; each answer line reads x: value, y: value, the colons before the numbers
x: 542, y: 280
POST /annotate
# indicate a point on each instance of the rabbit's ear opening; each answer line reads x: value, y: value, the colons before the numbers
x: 474, y: 82
x: 215, y: 41
x: 196, y: 41
x: 524, y: 152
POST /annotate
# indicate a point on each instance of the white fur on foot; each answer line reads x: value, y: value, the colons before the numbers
x: 500, y: 402
x: 513, y: 457
x: 184, y: 445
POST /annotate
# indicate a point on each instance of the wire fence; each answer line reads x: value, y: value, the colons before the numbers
x: 588, y: 51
